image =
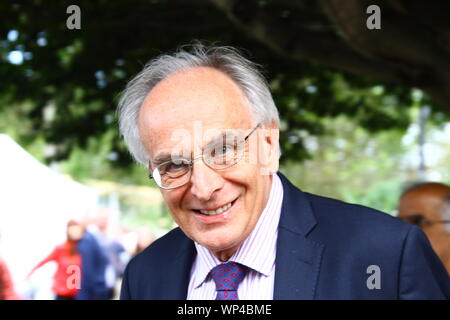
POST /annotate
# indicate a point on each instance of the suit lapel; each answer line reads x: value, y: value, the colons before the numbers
x: 298, y: 258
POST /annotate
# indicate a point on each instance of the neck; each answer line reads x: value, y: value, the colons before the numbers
x: 225, y: 255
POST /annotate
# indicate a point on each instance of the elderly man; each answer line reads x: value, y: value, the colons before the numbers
x: 204, y: 122
x: 428, y: 206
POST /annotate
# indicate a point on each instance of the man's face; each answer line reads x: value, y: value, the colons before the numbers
x: 75, y: 232
x: 207, y: 97
x: 427, y: 203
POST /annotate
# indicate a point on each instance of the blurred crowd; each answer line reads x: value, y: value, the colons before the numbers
x: 89, y: 263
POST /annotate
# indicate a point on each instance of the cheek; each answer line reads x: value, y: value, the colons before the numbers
x: 173, y: 200
x: 247, y: 182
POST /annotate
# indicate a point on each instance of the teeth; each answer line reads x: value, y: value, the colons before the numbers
x: 217, y: 211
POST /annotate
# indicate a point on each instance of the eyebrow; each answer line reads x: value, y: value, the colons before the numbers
x: 163, y: 157
x: 167, y: 156
x: 221, y: 137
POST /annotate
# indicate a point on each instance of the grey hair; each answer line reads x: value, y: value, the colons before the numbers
x: 223, y: 58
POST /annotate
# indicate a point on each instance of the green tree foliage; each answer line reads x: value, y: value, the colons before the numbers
x: 367, y: 179
x: 67, y: 86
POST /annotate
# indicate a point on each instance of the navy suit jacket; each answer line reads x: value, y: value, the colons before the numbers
x: 325, y: 248
x: 93, y: 266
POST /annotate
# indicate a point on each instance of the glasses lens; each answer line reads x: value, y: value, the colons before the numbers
x: 225, y: 153
x: 172, y: 174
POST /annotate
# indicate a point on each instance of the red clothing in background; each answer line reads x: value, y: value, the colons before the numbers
x: 68, y: 261
x: 6, y: 285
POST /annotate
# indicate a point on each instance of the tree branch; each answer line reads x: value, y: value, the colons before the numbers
x: 399, y: 53
x: 399, y: 40
x: 413, y: 47
x: 322, y: 47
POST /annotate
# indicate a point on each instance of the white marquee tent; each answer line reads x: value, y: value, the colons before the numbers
x: 35, y: 206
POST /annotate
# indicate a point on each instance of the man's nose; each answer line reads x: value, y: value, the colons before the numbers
x: 204, y: 181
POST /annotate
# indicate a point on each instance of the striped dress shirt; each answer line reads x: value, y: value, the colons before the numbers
x: 257, y: 252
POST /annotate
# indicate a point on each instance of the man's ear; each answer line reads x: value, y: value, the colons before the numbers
x: 269, y: 151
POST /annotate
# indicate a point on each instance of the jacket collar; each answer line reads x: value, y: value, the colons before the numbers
x: 296, y: 212
x: 178, y: 273
x: 298, y: 258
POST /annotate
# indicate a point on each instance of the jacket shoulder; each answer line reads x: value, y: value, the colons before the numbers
x: 367, y: 231
x: 357, y: 237
x: 350, y: 216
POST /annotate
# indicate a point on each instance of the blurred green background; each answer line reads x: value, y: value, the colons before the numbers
x: 352, y: 108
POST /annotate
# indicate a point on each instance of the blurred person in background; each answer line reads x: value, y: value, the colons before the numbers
x: 7, y: 291
x: 119, y: 258
x: 93, y: 267
x: 144, y: 239
x: 129, y: 239
x: 67, y: 278
x: 427, y: 205
x: 112, y: 249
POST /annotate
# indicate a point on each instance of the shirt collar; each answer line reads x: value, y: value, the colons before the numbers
x: 251, y: 253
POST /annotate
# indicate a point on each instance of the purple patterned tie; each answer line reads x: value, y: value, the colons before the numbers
x: 227, y: 277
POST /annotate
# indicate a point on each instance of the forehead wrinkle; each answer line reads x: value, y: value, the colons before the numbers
x: 191, y: 78
x: 199, y: 88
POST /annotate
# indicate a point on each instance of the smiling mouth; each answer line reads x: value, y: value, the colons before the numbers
x: 217, y: 211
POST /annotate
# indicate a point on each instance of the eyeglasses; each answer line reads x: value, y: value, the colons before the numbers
x: 220, y: 155
x: 421, y: 221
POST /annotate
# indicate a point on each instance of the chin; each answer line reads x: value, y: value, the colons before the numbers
x: 218, y: 242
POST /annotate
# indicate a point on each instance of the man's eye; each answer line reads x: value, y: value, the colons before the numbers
x: 220, y: 151
x: 172, y: 167
x: 176, y: 165
x: 226, y: 149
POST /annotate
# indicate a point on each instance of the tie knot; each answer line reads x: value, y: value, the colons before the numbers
x: 228, y: 276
